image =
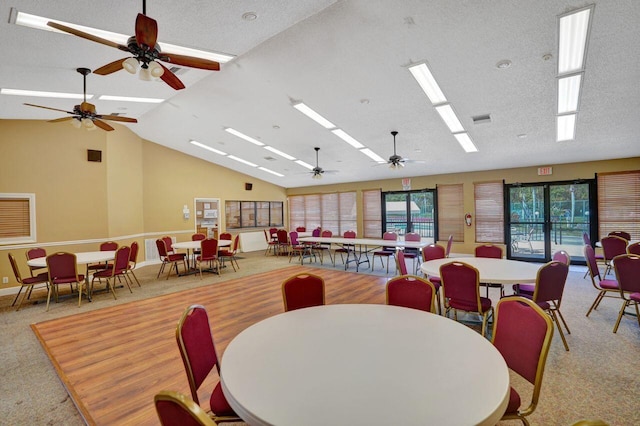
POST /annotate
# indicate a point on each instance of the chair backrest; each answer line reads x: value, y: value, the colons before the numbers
x: 62, y: 265
x: 273, y: 232
x: 449, y: 244
x: 524, y: 352
x: 316, y: 232
x: 108, y: 246
x: 301, y: 229
x: 282, y: 236
x: 226, y: 236
x: 586, y: 239
x: 133, y: 256
x: 327, y: 234
x: 489, y: 250
x: 627, y: 267
x: 122, y: 259
x: 621, y: 234
x: 412, y: 236
x: 16, y: 269
x: 562, y: 256
x: 198, y: 236
x: 411, y: 291
x: 168, y: 243
x: 196, y: 346
x: 293, y: 238
x: 634, y: 248
x: 390, y: 236
x: 349, y: 234
x: 550, y: 282
x: 461, y: 282
x: 236, y: 242
x: 208, y: 248
x: 176, y: 409
x: 35, y: 253
x: 162, y: 248
x: 302, y: 291
x: 592, y: 265
x: 402, y: 265
x: 433, y: 251
x: 613, y: 246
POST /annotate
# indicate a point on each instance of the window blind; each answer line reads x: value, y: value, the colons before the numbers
x: 15, y: 221
x: 489, y: 211
x: 450, y: 212
x: 372, y: 213
x: 619, y: 203
x: 335, y: 212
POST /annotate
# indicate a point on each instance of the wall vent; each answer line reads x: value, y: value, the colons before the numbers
x: 480, y: 119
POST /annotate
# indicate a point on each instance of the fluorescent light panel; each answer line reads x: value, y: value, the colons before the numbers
x: 572, y: 40
x: 248, y: 163
x: 568, y: 93
x: 40, y: 94
x: 373, y: 155
x: 303, y: 164
x: 40, y: 22
x: 207, y: 147
x: 450, y: 118
x: 465, y: 141
x: 303, y: 108
x: 280, y: 153
x: 130, y: 99
x: 264, y: 169
x: 566, y: 127
x: 243, y: 136
x: 347, y: 138
x: 425, y: 79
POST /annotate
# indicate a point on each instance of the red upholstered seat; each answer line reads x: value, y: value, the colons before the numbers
x: 167, y: 258
x: 133, y: 261
x: 432, y: 252
x: 527, y: 289
x: 118, y: 269
x: 230, y: 253
x: 606, y: 287
x: 387, y: 251
x: 176, y: 409
x: 208, y: 255
x: 410, y: 291
x: 302, y: 291
x: 63, y: 269
x: 612, y: 246
x: 26, y: 283
x: 627, y: 268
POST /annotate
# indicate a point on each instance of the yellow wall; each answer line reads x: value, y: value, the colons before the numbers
x: 136, y: 192
x: 561, y: 172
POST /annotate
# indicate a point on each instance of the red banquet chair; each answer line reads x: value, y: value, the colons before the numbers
x: 413, y: 253
x: 387, y: 251
x: 527, y: 289
x: 627, y: 268
x: 622, y: 234
x: 133, y: 261
x: 346, y: 248
x: 106, y: 246
x: 63, y: 269
x: 605, y: 287
x: 432, y: 252
x: 208, y: 254
x: 118, y: 269
x: 176, y: 409
x: 302, y: 291
x: 522, y: 333
x: 200, y: 358
x: 634, y: 248
x: 612, y: 246
x: 167, y: 258
x: 26, y: 283
x: 35, y: 253
x: 230, y: 253
x: 493, y: 252
x: 410, y: 291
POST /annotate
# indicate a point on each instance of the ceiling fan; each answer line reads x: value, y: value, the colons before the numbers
x: 395, y: 161
x: 85, y: 114
x: 146, y: 52
x: 317, y: 170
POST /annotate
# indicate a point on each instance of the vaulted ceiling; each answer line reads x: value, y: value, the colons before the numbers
x: 348, y: 60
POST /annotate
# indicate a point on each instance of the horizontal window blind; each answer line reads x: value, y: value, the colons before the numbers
x: 619, y: 203
x: 333, y: 212
x: 489, y: 212
x: 372, y: 213
x: 15, y: 218
x: 450, y: 212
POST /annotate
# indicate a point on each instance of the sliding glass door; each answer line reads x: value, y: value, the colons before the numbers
x: 409, y: 211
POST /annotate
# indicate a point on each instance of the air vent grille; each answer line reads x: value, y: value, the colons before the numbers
x: 269, y: 158
x: 480, y: 119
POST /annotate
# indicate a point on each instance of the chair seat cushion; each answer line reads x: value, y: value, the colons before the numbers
x: 67, y: 280
x: 514, y: 402
x: 176, y: 257
x: 206, y: 259
x: 219, y: 404
x: 635, y: 296
x: 524, y: 289
x: 463, y: 305
x: 436, y: 281
x: 106, y: 273
x: 383, y: 253
x: 40, y: 278
x: 609, y: 284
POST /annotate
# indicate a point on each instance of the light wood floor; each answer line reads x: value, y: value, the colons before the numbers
x: 114, y: 360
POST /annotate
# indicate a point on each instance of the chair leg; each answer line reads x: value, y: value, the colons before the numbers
x: 596, y: 302
x: 49, y: 296
x: 554, y: 317
x: 625, y: 303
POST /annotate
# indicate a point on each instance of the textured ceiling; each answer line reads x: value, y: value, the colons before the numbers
x: 334, y: 55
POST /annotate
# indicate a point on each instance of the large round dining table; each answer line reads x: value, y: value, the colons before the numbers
x: 495, y: 271
x: 363, y: 364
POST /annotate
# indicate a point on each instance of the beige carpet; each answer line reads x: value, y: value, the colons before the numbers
x: 596, y: 379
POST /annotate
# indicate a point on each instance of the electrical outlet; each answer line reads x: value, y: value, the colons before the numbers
x: 5, y: 280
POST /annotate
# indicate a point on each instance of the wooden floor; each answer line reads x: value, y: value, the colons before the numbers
x: 114, y: 360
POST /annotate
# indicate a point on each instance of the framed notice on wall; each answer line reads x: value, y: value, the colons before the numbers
x: 211, y: 214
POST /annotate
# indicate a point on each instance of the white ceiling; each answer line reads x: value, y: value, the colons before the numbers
x: 334, y: 55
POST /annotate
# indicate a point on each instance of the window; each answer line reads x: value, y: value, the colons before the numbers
x: 489, y: 211
x: 619, y: 203
x: 372, y: 213
x: 17, y: 218
x: 335, y: 212
x: 253, y: 214
x: 450, y: 212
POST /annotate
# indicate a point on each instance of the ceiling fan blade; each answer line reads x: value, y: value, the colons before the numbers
x: 118, y: 118
x: 57, y: 120
x: 146, y: 31
x: 111, y: 67
x: 102, y: 125
x: 170, y: 78
x: 87, y: 36
x: 52, y: 109
x: 190, y: 61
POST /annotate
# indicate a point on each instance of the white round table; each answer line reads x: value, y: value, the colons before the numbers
x: 195, y: 245
x: 363, y: 365
x: 495, y: 271
x: 82, y: 258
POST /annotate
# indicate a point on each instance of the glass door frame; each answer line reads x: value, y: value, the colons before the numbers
x: 409, y: 224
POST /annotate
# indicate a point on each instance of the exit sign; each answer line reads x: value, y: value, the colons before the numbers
x: 545, y: 171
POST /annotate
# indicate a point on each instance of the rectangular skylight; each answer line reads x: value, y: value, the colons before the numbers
x: 566, y: 127
x: 572, y: 40
x: 207, y: 147
x: 373, y: 155
x: 248, y: 163
x: 314, y: 115
x: 425, y: 79
x: 465, y: 141
x: 569, y: 93
x: 303, y: 164
x: 450, y: 118
x: 130, y: 99
x: 264, y: 169
x: 243, y: 136
x: 40, y: 23
x: 347, y: 138
x: 40, y: 94
x: 280, y: 153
